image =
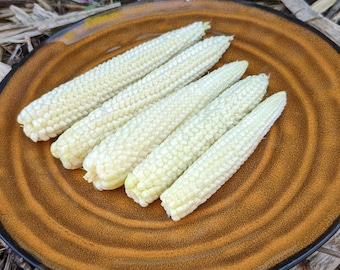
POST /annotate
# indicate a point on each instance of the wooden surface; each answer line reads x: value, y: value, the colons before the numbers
x: 324, y: 15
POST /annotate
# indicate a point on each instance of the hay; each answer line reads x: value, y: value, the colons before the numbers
x: 9, y: 260
x: 24, y: 25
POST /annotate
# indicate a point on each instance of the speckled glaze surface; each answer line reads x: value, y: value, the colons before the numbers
x: 278, y: 205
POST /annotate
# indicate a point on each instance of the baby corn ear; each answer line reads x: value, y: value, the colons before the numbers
x: 76, y: 142
x: 55, y: 111
x: 209, y: 172
x: 109, y: 163
x: 173, y: 156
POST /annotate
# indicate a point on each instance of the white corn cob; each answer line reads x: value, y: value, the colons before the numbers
x: 76, y: 142
x: 55, y: 111
x: 109, y: 163
x: 177, y: 152
x: 213, y: 168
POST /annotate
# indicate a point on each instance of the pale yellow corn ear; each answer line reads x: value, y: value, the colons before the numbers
x: 177, y: 152
x: 58, y: 109
x: 76, y: 142
x: 109, y: 163
x: 213, y: 168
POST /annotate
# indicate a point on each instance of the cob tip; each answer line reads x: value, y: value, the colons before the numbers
x: 206, y: 25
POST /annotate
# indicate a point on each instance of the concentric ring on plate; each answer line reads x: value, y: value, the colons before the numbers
x: 280, y: 202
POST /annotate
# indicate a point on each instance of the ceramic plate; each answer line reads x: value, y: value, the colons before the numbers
x: 278, y: 208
